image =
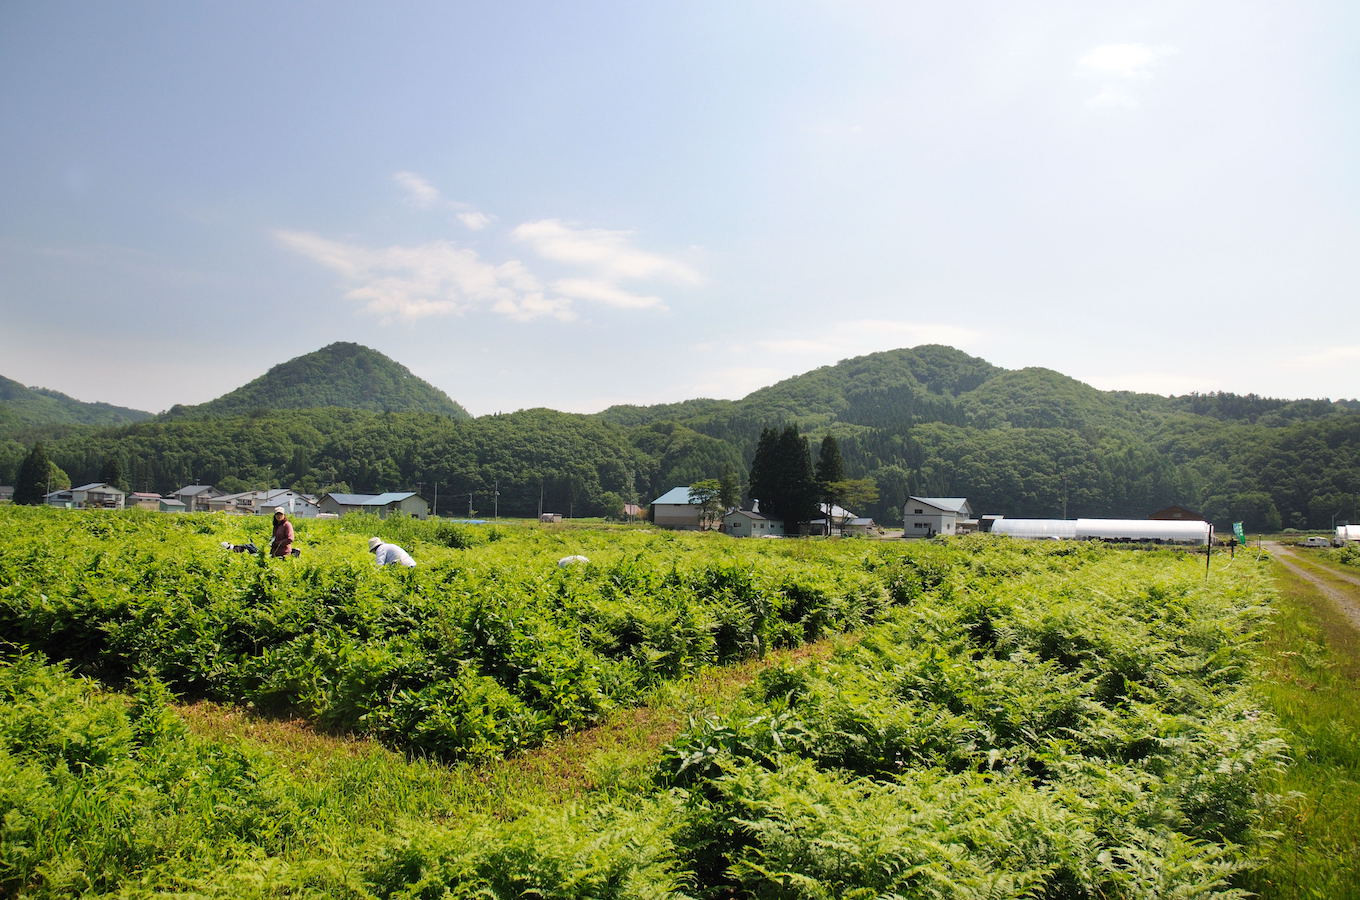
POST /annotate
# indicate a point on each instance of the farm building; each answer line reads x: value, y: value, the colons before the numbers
x: 1177, y: 514
x: 929, y: 516
x: 673, y: 510
x: 833, y: 523
x: 749, y: 523
x: 1156, y: 531
x: 859, y: 527
x: 1346, y: 534
x: 382, y: 505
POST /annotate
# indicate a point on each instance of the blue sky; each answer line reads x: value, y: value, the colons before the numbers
x: 575, y: 205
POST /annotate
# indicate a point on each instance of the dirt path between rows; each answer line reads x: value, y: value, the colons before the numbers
x: 1341, y: 588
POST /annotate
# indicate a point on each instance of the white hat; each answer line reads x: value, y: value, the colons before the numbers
x: 280, y: 509
x: 373, y: 543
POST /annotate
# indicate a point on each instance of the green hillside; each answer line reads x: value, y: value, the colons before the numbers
x: 343, y: 375
x: 29, y: 406
x: 929, y: 421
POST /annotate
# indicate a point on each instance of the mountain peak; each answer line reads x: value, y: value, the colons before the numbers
x: 342, y: 374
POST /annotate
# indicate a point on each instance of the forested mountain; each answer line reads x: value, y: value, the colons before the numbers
x: 343, y: 375
x: 27, y: 406
x: 929, y: 421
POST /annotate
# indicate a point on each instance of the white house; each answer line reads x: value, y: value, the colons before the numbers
x: 749, y: 523
x: 929, y: 516
x: 673, y: 510
x: 296, y: 504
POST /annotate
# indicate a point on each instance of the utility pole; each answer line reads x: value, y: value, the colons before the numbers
x: 469, y: 504
x: 435, y: 513
x: 496, y: 508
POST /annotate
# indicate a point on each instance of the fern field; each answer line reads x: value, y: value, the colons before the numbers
x: 1007, y: 720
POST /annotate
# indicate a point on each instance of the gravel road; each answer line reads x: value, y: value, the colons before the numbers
x: 1347, y: 599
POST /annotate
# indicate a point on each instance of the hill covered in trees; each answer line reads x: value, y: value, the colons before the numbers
x: 929, y: 421
x: 29, y: 406
x: 344, y: 375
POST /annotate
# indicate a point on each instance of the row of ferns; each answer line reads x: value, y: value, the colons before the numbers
x: 1014, y: 720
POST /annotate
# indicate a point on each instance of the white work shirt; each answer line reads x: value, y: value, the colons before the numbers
x: 391, y: 553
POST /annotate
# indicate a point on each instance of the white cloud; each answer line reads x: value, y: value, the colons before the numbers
x: 606, y: 293
x: 419, y: 192
x: 441, y: 278
x: 1119, y: 68
x: 608, y: 253
x: 1125, y: 61
x: 434, y: 279
x: 475, y: 221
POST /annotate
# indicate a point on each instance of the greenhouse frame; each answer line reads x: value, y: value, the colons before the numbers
x: 1156, y: 531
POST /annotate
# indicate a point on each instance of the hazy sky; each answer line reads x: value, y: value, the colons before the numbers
x: 579, y: 204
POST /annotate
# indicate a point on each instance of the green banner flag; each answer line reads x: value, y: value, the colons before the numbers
x: 1239, y: 534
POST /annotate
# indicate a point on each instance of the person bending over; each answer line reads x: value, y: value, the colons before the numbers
x: 389, y: 554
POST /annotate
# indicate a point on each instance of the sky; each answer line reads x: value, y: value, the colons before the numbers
x: 583, y: 204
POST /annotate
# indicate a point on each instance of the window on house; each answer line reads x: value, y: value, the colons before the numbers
x: 919, y: 511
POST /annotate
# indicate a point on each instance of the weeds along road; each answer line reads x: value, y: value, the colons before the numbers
x: 1341, y: 588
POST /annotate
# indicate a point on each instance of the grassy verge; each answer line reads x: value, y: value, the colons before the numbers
x: 1311, y: 676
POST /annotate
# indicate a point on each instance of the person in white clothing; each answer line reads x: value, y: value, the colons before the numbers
x: 387, y: 554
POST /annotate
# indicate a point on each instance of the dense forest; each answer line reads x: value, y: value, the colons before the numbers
x: 930, y: 421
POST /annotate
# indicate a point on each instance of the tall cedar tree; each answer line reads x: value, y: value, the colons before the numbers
x: 112, y: 473
x: 31, y: 484
x: 782, y: 478
x: 829, y: 470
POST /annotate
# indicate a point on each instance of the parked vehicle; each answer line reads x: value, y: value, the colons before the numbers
x: 1316, y: 542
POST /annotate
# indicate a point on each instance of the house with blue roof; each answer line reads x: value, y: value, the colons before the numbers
x: 382, y: 505
x: 673, y: 510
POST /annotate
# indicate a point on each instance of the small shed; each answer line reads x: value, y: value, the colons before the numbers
x: 550, y: 518
x: 144, y: 500
x: 170, y: 504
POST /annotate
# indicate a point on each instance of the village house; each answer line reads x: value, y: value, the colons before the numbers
x: 749, y: 523
x: 88, y: 496
x: 931, y: 516
x: 195, y: 497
